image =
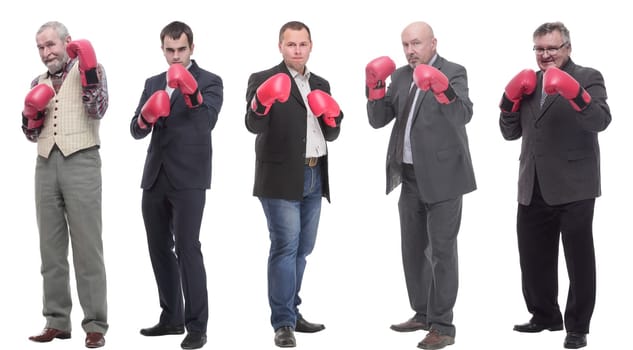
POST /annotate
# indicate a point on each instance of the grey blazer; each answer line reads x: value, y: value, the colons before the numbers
x: 559, y: 143
x: 439, y: 143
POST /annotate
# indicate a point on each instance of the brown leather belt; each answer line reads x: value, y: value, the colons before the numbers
x: 312, y: 161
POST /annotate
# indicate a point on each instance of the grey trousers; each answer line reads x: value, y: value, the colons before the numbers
x: 68, y: 207
x: 429, y: 254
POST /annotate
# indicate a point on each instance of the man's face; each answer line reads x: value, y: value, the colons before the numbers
x: 418, y: 45
x: 551, y: 50
x: 295, y: 47
x: 52, y: 49
x: 177, y: 50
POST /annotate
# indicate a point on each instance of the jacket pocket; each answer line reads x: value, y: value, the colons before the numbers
x: 448, y: 153
x: 578, y: 154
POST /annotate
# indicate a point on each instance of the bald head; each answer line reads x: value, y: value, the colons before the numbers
x: 421, y: 29
x: 418, y: 43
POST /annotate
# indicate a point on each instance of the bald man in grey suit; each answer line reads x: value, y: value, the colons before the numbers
x: 428, y: 153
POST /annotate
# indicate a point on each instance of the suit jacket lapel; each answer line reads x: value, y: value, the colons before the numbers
x: 423, y: 94
x: 294, y: 89
x: 295, y: 93
x: 194, y: 70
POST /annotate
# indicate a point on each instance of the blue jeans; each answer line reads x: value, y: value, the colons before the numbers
x: 293, y: 228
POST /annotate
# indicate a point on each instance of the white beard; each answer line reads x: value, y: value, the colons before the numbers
x: 56, y: 65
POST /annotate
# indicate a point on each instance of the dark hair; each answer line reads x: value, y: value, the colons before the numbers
x: 294, y: 25
x: 174, y: 30
x: 549, y: 27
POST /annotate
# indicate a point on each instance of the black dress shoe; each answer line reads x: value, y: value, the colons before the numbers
x: 410, y: 325
x: 304, y: 326
x: 162, y: 329
x: 285, y: 337
x: 194, y: 340
x: 49, y: 334
x: 575, y: 340
x: 535, y: 327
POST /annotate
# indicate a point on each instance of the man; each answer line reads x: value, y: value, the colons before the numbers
x: 62, y: 113
x: 293, y: 115
x: 428, y: 153
x: 179, y: 108
x: 558, y: 113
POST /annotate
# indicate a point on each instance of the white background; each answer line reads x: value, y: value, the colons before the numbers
x: 354, y: 281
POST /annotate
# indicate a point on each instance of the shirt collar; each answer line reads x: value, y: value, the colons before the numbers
x: 294, y: 73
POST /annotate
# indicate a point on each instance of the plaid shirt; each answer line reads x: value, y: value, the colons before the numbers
x: 95, y: 98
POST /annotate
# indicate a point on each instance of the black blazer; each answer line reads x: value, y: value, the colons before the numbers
x: 559, y: 143
x: 181, y: 142
x: 280, y: 144
x: 439, y: 142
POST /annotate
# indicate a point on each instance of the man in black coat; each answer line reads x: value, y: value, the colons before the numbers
x: 293, y: 115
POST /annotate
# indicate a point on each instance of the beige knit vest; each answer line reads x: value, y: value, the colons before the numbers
x: 67, y: 124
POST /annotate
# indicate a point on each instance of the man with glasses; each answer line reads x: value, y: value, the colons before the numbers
x: 558, y: 112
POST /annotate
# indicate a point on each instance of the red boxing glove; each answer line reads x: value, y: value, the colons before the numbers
x: 34, y: 123
x: 376, y: 72
x: 428, y: 77
x: 87, y: 61
x: 558, y: 81
x: 523, y: 83
x: 32, y: 128
x: 35, y: 104
x: 274, y: 89
x: 178, y: 77
x: 324, y: 105
x: 156, y: 106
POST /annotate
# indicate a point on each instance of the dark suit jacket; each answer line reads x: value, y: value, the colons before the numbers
x: 439, y: 143
x: 280, y: 144
x: 181, y: 143
x: 559, y: 143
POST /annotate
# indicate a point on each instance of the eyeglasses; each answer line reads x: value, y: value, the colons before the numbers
x: 550, y: 50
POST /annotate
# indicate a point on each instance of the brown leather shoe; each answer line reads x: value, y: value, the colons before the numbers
x: 435, y: 340
x: 94, y: 340
x: 49, y: 334
x: 410, y: 325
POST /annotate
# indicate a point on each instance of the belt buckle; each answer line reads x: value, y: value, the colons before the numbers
x: 312, y: 161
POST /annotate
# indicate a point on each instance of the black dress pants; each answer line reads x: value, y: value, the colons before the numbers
x: 172, y: 221
x: 539, y: 227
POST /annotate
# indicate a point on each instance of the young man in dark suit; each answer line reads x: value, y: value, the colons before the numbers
x: 179, y: 108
